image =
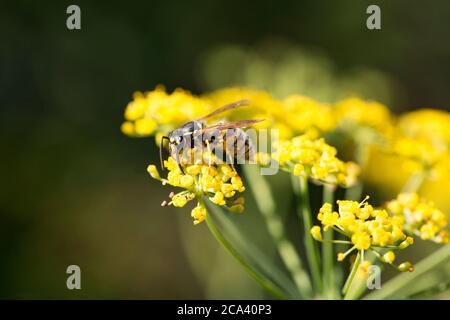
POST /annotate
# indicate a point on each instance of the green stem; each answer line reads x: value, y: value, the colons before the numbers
x: 430, y: 292
x: 360, y: 156
x: 351, y: 276
x: 392, y: 287
x: 327, y: 249
x: 265, y: 283
x: 415, y: 181
x: 277, y: 231
x: 312, y: 250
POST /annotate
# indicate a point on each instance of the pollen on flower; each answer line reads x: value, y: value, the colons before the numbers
x: 421, y: 217
x: 217, y: 182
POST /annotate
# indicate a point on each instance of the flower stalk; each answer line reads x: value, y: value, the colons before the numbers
x: 264, y: 282
x: 275, y: 226
x: 329, y: 282
x: 351, y: 276
x: 312, y: 250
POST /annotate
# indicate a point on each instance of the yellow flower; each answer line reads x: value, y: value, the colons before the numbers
x: 316, y: 233
x: 218, y: 198
x: 354, y: 112
x: 365, y: 227
x: 389, y: 257
x: 430, y: 124
x: 262, y: 105
x: 307, y: 156
x: 218, y: 182
x: 364, y: 267
x: 327, y: 216
x: 157, y: 111
x: 179, y: 200
x: 145, y: 126
x: 127, y: 128
x: 421, y: 154
x: 199, y: 214
x: 153, y: 171
x: 421, y: 218
x: 306, y: 113
x: 361, y: 240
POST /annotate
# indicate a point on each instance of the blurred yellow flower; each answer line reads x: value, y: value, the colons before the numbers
x: 305, y: 113
x: 294, y: 115
x: 420, y: 217
x: 354, y: 112
x: 430, y: 124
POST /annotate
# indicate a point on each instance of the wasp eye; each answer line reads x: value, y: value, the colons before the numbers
x: 179, y: 139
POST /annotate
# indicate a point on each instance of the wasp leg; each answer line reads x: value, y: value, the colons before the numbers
x: 230, y: 159
x: 179, y: 164
x: 209, y: 151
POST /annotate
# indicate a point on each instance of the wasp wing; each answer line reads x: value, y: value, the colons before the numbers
x: 233, y: 105
x: 232, y: 125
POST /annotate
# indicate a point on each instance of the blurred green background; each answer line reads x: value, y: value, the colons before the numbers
x: 75, y: 190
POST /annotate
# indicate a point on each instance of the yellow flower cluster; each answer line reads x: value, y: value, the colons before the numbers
x: 219, y: 182
x: 157, y: 111
x: 423, y: 138
x: 307, y: 156
x: 420, y: 154
x: 420, y: 217
x: 354, y: 112
x: 262, y: 106
x: 365, y: 227
x: 432, y: 125
x: 304, y: 113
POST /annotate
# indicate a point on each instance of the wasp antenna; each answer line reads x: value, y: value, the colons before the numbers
x: 161, y: 146
x: 244, y: 102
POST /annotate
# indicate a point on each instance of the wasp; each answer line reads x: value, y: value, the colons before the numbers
x: 228, y: 137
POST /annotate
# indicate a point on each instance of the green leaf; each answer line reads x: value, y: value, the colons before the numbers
x: 275, y: 225
x: 251, y: 255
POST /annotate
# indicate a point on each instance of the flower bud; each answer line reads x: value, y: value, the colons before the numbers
x: 406, y: 243
x: 388, y: 257
x: 406, y: 266
x: 316, y: 233
x: 153, y: 172
x: 237, y: 208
